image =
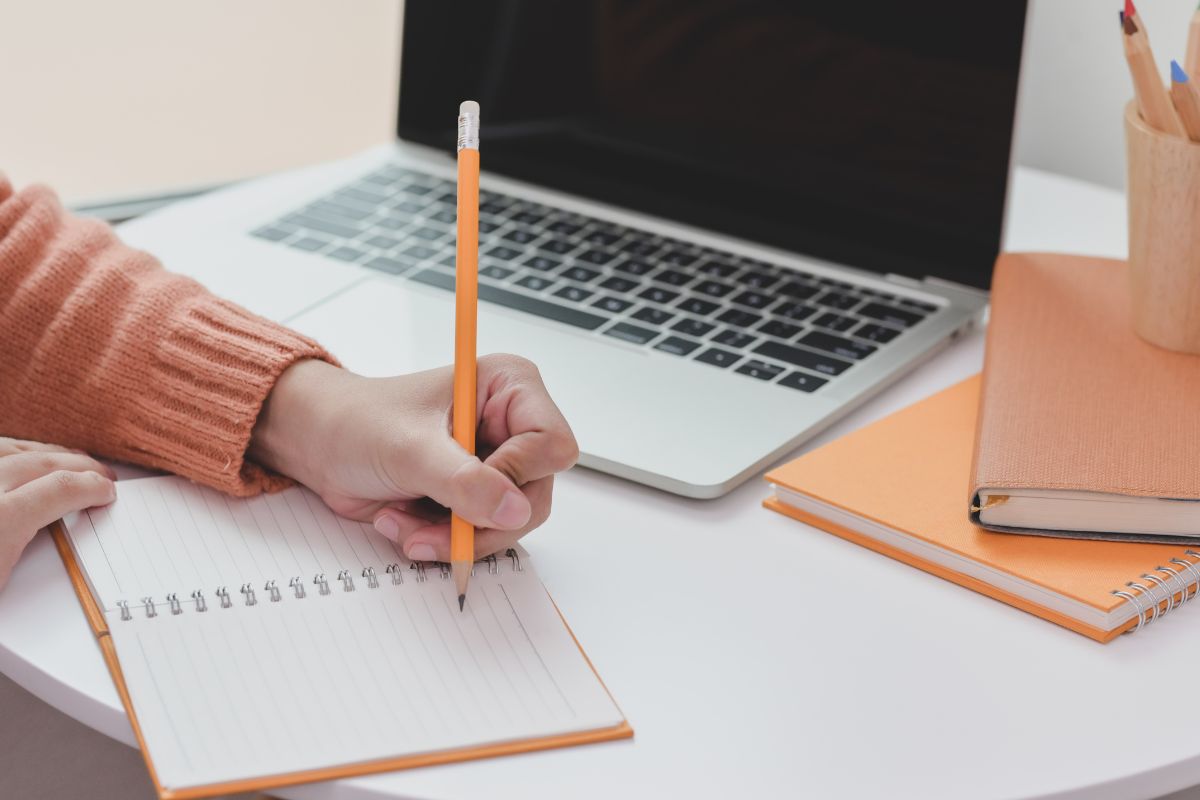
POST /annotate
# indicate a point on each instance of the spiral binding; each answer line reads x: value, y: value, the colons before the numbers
x: 421, y: 572
x: 1164, y: 589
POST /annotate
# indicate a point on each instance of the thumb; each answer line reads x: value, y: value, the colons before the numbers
x: 480, y: 494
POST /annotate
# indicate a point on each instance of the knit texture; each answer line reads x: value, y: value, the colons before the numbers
x: 103, y: 350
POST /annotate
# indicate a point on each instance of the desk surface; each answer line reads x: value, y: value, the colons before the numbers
x: 755, y: 655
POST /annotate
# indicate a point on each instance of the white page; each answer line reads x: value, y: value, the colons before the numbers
x: 357, y: 674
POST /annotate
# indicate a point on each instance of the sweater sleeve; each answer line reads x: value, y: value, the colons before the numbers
x: 103, y: 350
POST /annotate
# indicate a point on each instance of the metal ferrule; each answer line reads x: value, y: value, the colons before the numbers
x: 468, y: 132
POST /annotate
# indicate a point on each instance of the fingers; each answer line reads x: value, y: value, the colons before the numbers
x: 478, y: 493
x: 426, y: 542
x: 11, y: 446
x: 25, y: 466
x: 39, y: 502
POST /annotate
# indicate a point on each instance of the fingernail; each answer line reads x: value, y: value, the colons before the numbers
x: 421, y: 552
x: 513, y: 511
x: 387, y: 527
x: 112, y: 491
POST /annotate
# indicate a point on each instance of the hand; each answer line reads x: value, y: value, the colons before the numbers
x: 380, y: 450
x: 40, y: 483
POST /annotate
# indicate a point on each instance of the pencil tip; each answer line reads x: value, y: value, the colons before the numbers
x: 462, y: 601
x: 1121, y: 16
x: 1177, y: 73
x: 1129, y: 9
x: 1130, y: 26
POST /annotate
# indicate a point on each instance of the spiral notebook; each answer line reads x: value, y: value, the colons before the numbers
x: 897, y: 487
x: 265, y: 642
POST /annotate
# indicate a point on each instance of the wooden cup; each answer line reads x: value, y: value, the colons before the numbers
x: 1164, y: 235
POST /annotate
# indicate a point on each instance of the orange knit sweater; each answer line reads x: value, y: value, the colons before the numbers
x: 102, y: 349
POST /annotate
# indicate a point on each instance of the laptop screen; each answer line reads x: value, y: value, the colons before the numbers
x: 876, y: 135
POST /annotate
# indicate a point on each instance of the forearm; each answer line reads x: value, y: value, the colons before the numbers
x: 106, y: 351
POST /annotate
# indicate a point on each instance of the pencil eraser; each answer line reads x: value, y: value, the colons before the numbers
x: 468, y: 107
x: 1177, y: 73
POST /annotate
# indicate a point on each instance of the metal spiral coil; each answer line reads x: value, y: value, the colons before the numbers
x: 1164, y: 589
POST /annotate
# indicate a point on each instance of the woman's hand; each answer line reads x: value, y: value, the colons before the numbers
x: 380, y: 450
x: 40, y: 483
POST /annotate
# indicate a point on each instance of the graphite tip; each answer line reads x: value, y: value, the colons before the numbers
x: 462, y: 601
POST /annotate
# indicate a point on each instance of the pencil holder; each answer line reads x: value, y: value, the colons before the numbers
x: 1164, y: 235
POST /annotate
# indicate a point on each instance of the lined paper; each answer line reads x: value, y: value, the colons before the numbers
x: 331, y: 679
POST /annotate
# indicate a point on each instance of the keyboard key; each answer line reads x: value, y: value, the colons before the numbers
x: 658, y: 295
x: 564, y: 227
x: 733, y: 338
x: 446, y: 217
x: 558, y: 246
x: 846, y: 348
x: 603, y: 238
x: 487, y: 227
x: 694, y: 305
x: 417, y: 189
x: 677, y: 258
x: 420, y: 252
x: 347, y: 253
x: 515, y: 300
x: 492, y: 207
x: 655, y: 316
x: 692, y: 327
x: 614, y: 304
x: 718, y: 357
x: 596, y: 256
x: 742, y: 319
x: 838, y: 300
x: 754, y: 299
x: 758, y: 280
x: 797, y: 289
x: 917, y: 305
x: 273, y: 233
x: 641, y: 248
x: 713, y: 288
x: 835, y: 322
x: 719, y: 269
x: 542, y: 263
x: 447, y: 198
x: 496, y: 273
x: 428, y: 234
x: 390, y: 223
x: 805, y: 383
x: 503, y: 253
x: 528, y: 217
x: 760, y: 369
x: 573, y: 293
x: 339, y: 210
x: 535, y: 282
x: 390, y: 265
x: 581, y: 274
x: 634, y: 267
x: 877, y: 333
x: 631, y: 333
x: 673, y: 277
x: 619, y: 284
x: 383, y: 242
x: 309, y: 243
x: 779, y: 329
x: 796, y: 311
x: 677, y: 345
x: 891, y: 315
x: 324, y: 226
x: 363, y: 197
x: 807, y: 359
x: 521, y: 235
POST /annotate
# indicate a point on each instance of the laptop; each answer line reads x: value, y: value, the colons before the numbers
x: 715, y: 227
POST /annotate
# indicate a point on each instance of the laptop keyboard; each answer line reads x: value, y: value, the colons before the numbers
x: 759, y: 320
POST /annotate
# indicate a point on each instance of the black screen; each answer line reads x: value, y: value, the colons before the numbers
x: 870, y: 134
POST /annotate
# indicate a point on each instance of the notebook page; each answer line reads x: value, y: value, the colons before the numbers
x: 371, y: 670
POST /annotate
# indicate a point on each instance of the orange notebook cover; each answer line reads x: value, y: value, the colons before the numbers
x: 896, y: 487
x: 1075, y: 402
x: 169, y: 610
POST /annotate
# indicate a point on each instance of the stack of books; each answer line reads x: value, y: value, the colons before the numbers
x: 1064, y: 480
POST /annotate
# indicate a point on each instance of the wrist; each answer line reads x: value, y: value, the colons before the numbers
x: 289, y: 425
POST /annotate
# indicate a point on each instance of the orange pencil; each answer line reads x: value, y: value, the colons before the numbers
x: 1186, y: 100
x: 1152, y: 99
x: 466, y: 302
x: 1191, y: 59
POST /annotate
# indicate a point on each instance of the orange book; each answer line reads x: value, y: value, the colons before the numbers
x: 266, y: 642
x: 1085, y: 430
x: 897, y: 487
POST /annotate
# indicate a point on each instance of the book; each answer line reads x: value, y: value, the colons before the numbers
x: 1085, y: 430
x: 264, y: 642
x: 896, y: 486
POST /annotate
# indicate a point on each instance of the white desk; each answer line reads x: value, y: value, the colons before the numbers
x: 756, y: 656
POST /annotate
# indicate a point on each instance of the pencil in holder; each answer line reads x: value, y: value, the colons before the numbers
x: 1164, y: 235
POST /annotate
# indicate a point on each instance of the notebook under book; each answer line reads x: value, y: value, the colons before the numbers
x: 265, y: 642
x: 897, y: 487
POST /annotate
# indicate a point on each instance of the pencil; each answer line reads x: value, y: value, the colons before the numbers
x: 1153, y: 102
x: 466, y: 301
x: 1191, y: 59
x: 1186, y: 100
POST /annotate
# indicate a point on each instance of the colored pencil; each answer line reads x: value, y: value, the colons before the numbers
x: 1152, y: 99
x: 466, y: 312
x: 1187, y: 101
x: 1191, y: 59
